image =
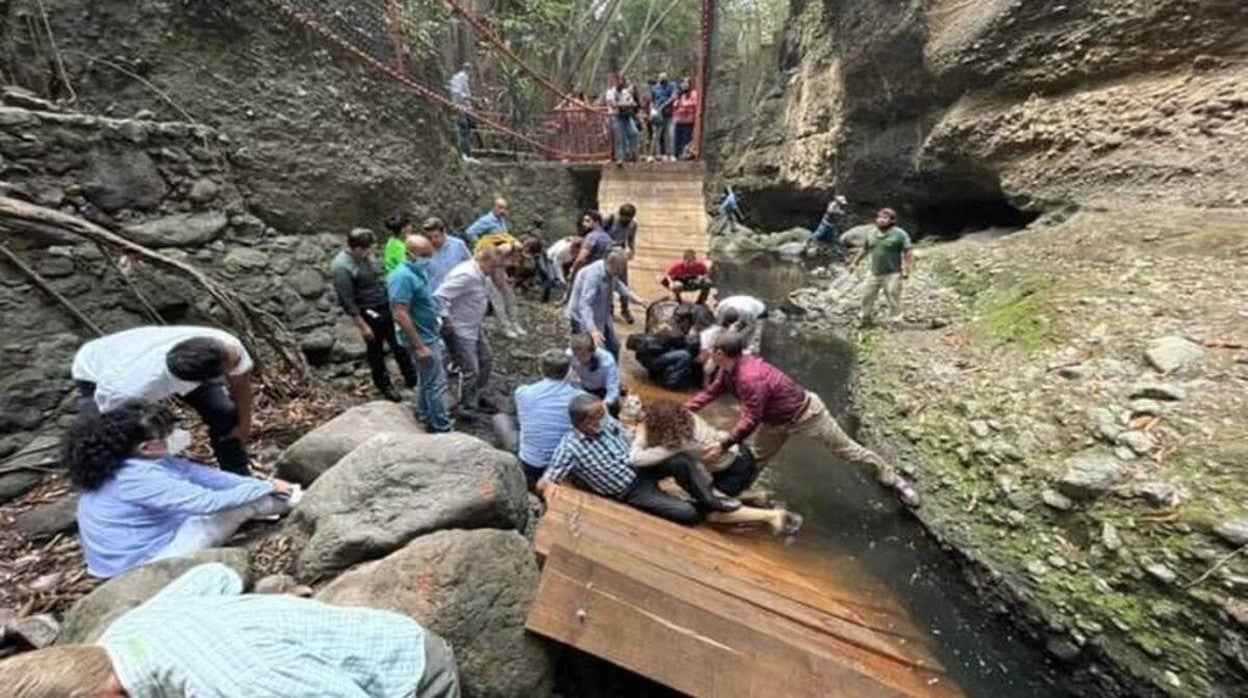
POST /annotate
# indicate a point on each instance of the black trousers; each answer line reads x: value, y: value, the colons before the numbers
x: 381, y: 322
x: 532, y: 475
x: 737, y: 477
x: 214, y: 406
x: 646, y: 495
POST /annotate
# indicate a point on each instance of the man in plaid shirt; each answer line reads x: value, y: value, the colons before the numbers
x: 596, y: 453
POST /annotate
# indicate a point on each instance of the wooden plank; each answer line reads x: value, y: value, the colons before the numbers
x: 700, y: 641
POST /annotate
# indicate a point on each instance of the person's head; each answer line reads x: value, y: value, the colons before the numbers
x: 590, y: 220
x: 532, y: 247
x: 98, y: 446
x: 728, y: 317
x: 690, y: 256
x: 418, y: 247
x: 434, y: 229
x: 885, y: 218
x: 200, y: 359
x: 587, y: 414
x: 627, y: 213
x: 67, y: 671
x: 554, y: 364
x: 361, y: 242
x: 399, y: 225
x: 583, y: 347
x: 683, y: 318
x: 616, y: 262
x: 500, y: 207
x: 729, y: 346
x: 668, y: 423
x: 651, y: 82
x: 662, y: 78
x: 685, y: 84
x: 490, y: 258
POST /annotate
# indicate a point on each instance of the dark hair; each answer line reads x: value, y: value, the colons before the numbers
x: 628, y: 210
x: 580, y: 407
x: 729, y: 317
x: 98, y: 446
x: 396, y: 223
x: 197, y: 359
x: 732, y: 344
x: 595, y: 216
x: 554, y: 364
x: 361, y: 239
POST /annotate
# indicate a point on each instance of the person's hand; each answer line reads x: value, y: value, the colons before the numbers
x: 597, y: 337
x: 423, y: 352
x: 366, y: 333
x: 905, y: 274
x: 712, y: 453
x: 242, y: 432
x: 281, y: 487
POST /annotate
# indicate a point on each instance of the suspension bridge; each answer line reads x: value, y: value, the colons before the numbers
x: 699, y: 610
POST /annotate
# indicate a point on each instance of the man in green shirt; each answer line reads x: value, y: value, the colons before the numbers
x: 891, y: 259
x: 395, y: 253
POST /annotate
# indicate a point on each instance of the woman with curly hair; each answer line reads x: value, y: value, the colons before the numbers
x: 142, y: 502
x: 668, y: 429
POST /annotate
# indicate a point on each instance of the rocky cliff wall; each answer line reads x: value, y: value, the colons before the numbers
x: 940, y: 106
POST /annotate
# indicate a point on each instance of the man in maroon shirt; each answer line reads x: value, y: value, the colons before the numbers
x: 773, y: 407
x: 688, y: 274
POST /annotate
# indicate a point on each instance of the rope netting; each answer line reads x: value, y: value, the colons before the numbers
x: 525, y: 109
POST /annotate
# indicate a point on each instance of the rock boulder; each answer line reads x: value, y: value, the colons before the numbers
x: 47, y: 520
x: 318, y: 450
x: 179, y: 230
x: 1089, y: 475
x: 395, y: 487
x: 93, y: 613
x: 1173, y: 353
x: 473, y: 588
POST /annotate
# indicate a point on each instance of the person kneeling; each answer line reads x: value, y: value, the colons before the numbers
x: 669, y: 429
x: 202, y: 636
x: 142, y: 502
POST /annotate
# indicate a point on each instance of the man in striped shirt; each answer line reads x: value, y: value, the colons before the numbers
x: 201, y: 636
x: 596, y: 453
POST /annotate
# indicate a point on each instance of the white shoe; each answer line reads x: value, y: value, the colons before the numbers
x: 510, y: 332
x: 515, y: 327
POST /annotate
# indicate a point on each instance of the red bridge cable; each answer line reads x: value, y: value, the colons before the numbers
x: 329, y: 36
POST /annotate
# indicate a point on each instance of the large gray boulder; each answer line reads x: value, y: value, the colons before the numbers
x: 318, y: 450
x: 178, y: 230
x: 93, y: 613
x: 395, y: 487
x: 1173, y: 353
x: 473, y: 588
x: 123, y: 178
x: 26, y: 468
x: 1090, y: 474
x: 47, y: 520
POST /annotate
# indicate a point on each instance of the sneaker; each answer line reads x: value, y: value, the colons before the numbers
x: 510, y: 332
x: 392, y: 394
x: 907, y: 493
x: 520, y: 331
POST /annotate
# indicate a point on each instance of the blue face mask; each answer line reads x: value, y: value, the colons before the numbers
x: 419, y: 264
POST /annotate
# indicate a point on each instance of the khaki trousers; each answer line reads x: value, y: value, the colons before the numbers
x: 816, y: 423
x: 891, y: 284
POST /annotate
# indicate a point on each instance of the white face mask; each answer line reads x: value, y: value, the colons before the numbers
x: 177, y: 442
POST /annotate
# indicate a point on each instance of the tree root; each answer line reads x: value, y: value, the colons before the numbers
x: 251, y: 323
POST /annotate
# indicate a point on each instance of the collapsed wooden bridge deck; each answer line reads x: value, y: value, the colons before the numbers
x: 716, y: 614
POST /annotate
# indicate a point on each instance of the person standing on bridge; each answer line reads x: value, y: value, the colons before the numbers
x: 663, y: 103
x: 592, y: 296
x: 461, y: 96
x: 622, y: 108
x: 493, y: 221
x: 891, y: 259
x: 774, y: 407
x: 685, y: 115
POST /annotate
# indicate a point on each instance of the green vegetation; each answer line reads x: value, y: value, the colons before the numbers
x: 1019, y: 315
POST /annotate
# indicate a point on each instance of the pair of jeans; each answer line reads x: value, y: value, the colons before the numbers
x: 464, y: 125
x: 827, y: 234
x: 684, y: 136
x: 475, y: 364
x: 430, y: 399
x: 609, y: 341
x: 381, y: 322
x: 661, y: 136
x: 738, y: 476
x: 625, y: 131
x: 441, y: 677
x: 646, y: 495
x: 547, y: 275
x: 674, y: 369
x: 214, y: 406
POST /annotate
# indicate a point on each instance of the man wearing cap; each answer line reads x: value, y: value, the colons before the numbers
x: 447, y: 251
x: 362, y: 294
x: 891, y: 260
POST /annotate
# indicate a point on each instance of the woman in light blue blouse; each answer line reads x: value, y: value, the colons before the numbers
x: 595, y: 370
x: 142, y: 502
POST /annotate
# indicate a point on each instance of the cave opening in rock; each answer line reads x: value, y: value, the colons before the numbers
x: 585, y: 179
x: 955, y: 218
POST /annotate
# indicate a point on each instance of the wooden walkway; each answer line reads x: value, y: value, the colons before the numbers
x: 710, y: 613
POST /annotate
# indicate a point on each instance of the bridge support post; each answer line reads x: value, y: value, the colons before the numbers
x: 706, y: 33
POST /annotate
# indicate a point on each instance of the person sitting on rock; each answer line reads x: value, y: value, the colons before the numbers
x: 206, y: 368
x: 142, y: 501
x: 542, y: 410
x: 595, y: 370
x: 596, y: 453
x: 668, y: 429
x: 774, y: 407
x: 362, y: 296
x: 202, y: 636
x: 689, y: 274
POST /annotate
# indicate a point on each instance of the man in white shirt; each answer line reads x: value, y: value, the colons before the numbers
x: 207, y: 368
x: 463, y: 299
x: 461, y: 96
